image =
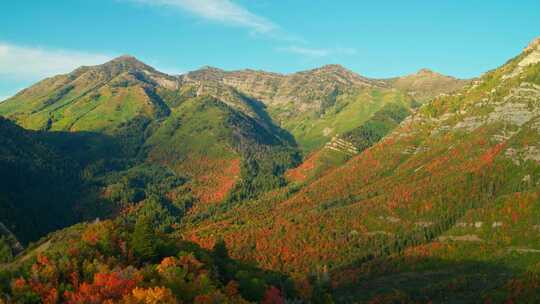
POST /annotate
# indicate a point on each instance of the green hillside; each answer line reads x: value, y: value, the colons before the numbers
x: 122, y: 122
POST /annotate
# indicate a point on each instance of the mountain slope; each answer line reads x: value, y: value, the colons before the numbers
x: 313, y: 105
x: 41, y: 189
x: 122, y: 121
x: 91, y: 98
x: 130, y: 101
x: 467, y: 156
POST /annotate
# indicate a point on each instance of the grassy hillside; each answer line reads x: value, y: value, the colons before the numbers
x: 90, y: 99
x: 345, y: 146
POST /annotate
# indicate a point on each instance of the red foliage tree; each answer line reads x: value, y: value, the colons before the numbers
x: 273, y: 296
x: 106, y: 286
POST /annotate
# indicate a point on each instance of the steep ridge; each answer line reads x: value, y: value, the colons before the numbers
x: 313, y: 105
x: 467, y: 157
x: 95, y: 98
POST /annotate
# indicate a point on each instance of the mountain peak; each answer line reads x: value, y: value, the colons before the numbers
x: 333, y: 68
x: 208, y: 73
x: 125, y: 63
x: 210, y: 68
x: 425, y: 71
x: 125, y: 57
x: 128, y: 61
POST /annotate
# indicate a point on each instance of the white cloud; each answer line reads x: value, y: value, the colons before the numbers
x: 303, y: 51
x: 21, y: 62
x: 314, y: 53
x: 223, y: 11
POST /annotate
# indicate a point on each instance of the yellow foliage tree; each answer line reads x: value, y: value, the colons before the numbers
x: 152, y: 295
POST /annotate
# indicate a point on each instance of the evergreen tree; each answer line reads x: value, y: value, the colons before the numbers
x: 144, y: 239
x: 220, y: 251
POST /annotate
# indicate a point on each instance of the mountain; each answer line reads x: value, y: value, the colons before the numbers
x: 225, y: 148
x: 323, y: 178
x: 322, y: 105
x: 313, y: 106
x: 444, y: 208
x: 96, y: 98
x: 254, y: 123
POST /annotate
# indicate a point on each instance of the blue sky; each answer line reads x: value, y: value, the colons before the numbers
x: 463, y: 38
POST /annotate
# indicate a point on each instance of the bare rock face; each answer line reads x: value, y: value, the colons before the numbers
x: 310, y: 87
x: 532, y: 56
x: 534, y: 44
x: 341, y: 145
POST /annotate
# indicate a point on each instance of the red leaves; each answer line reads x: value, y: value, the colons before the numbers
x: 273, y: 296
x: 18, y: 284
x: 488, y: 157
x: 106, y: 286
x: 301, y: 173
x: 216, y: 180
x: 43, y: 260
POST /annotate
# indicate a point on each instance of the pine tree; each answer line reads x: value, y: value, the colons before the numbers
x: 144, y: 240
x: 220, y: 250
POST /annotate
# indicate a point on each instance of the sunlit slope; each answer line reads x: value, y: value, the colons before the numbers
x: 318, y: 104
x: 95, y: 98
x: 458, y: 153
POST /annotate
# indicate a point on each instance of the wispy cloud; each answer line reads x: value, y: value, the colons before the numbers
x: 22, y: 62
x: 303, y: 51
x: 314, y: 53
x: 223, y: 11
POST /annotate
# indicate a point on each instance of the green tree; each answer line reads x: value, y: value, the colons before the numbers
x: 220, y: 251
x: 5, y: 251
x: 144, y: 240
